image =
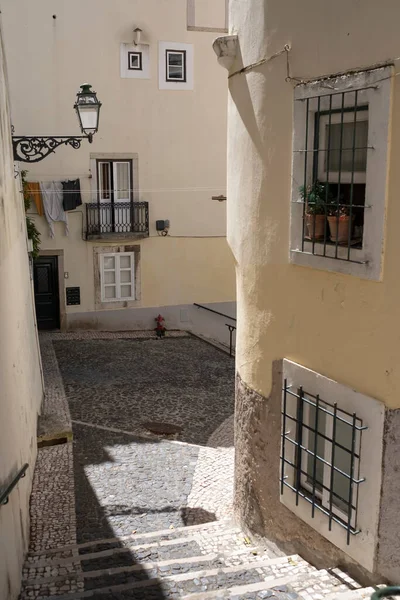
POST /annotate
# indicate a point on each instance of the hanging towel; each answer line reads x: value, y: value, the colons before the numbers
x: 33, y: 188
x: 52, y: 197
x: 71, y: 194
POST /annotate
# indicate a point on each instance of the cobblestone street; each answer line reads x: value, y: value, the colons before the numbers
x: 124, y: 477
x: 124, y: 513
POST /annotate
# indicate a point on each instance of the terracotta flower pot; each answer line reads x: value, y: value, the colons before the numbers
x: 339, y: 228
x: 315, y: 226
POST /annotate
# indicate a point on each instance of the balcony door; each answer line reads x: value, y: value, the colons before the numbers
x: 115, y: 195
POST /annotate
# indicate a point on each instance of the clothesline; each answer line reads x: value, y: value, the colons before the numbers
x: 54, y: 199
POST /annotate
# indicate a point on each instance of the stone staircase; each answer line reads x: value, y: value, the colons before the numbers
x: 200, y: 562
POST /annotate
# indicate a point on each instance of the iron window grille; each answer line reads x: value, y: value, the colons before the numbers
x: 320, y: 460
x: 135, y: 61
x: 175, y: 65
x: 334, y: 163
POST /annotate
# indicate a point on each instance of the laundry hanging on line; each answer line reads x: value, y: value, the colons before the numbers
x: 33, y: 189
x: 71, y: 194
x: 52, y: 196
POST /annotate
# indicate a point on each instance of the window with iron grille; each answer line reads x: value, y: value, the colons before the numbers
x: 340, y: 154
x: 323, y: 453
x: 331, y: 452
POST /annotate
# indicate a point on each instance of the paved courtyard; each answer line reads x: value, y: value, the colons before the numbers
x: 121, y: 477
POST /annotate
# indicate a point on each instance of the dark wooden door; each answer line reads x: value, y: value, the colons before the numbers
x: 47, y: 301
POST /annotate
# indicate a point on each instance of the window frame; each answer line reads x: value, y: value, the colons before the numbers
x: 183, y: 79
x: 374, y: 90
x: 140, y: 57
x: 117, y: 269
x: 371, y: 413
x: 113, y: 178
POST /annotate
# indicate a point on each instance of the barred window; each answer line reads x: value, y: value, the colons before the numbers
x: 339, y: 173
x: 321, y: 456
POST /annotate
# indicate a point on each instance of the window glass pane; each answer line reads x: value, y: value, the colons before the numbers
x: 341, y: 485
x: 126, y: 276
x: 126, y: 291
x: 175, y: 59
x: 109, y: 291
x: 361, y: 141
x: 105, y: 180
x: 175, y: 73
x: 319, y: 473
x: 109, y: 262
x: 125, y: 262
x: 109, y: 276
x: 122, y: 181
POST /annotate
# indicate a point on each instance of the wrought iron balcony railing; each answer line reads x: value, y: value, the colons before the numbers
x: 106, y: 219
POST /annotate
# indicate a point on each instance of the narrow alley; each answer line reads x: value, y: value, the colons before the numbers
x: 133, y: 487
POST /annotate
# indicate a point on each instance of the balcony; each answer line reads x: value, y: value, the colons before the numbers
x: 117, y: 220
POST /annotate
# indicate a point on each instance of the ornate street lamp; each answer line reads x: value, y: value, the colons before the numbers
x: 34, y: 148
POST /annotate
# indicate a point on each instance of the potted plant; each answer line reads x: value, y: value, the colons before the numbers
x: 340, y: 223
x: 314, y: 196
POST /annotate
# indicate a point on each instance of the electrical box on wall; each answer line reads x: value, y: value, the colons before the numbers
x: 162, y: 225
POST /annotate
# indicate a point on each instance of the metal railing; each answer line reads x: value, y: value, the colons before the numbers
x: 4, y: 495
x: 117, y: 217
x: 231, y: 327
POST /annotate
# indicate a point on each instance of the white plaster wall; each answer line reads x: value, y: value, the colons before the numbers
x: 20, y: 372
x: 179, y: 136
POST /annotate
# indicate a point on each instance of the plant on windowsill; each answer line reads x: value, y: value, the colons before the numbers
x: 160, y: 328
x: 314, y: 196
x: 340, y: 224
x: 33, y: 233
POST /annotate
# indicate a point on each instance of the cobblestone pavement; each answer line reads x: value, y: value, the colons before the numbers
x: 115, y: 514
x: 122, y: 383
x: 127, y: 478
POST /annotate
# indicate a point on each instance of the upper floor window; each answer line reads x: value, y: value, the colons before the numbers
x: 135, y: 61
x: 339, y: 173
x: 175, y: 65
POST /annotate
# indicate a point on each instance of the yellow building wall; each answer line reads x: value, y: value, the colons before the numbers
x: 339, y: 325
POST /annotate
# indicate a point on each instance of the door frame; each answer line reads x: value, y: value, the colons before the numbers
x: 61, y: 285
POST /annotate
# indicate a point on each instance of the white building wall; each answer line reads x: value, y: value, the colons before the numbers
x: 20, y: 373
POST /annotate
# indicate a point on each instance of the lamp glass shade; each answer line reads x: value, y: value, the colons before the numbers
x: 87, y: 107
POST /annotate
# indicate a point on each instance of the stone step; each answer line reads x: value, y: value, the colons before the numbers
x: 313, y: 585
x: 164, y: 534
x: 171, y: 586
x: 141, y: 584
x: 180, y: 547
x: 193, y: 569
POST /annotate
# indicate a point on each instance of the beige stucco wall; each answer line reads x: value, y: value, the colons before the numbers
x: 179, y: 136
x: 20, y: 375
x: 339, y: 325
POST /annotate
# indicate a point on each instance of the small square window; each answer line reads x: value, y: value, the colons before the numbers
x: 135, y: 62
x: 175, y: 65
